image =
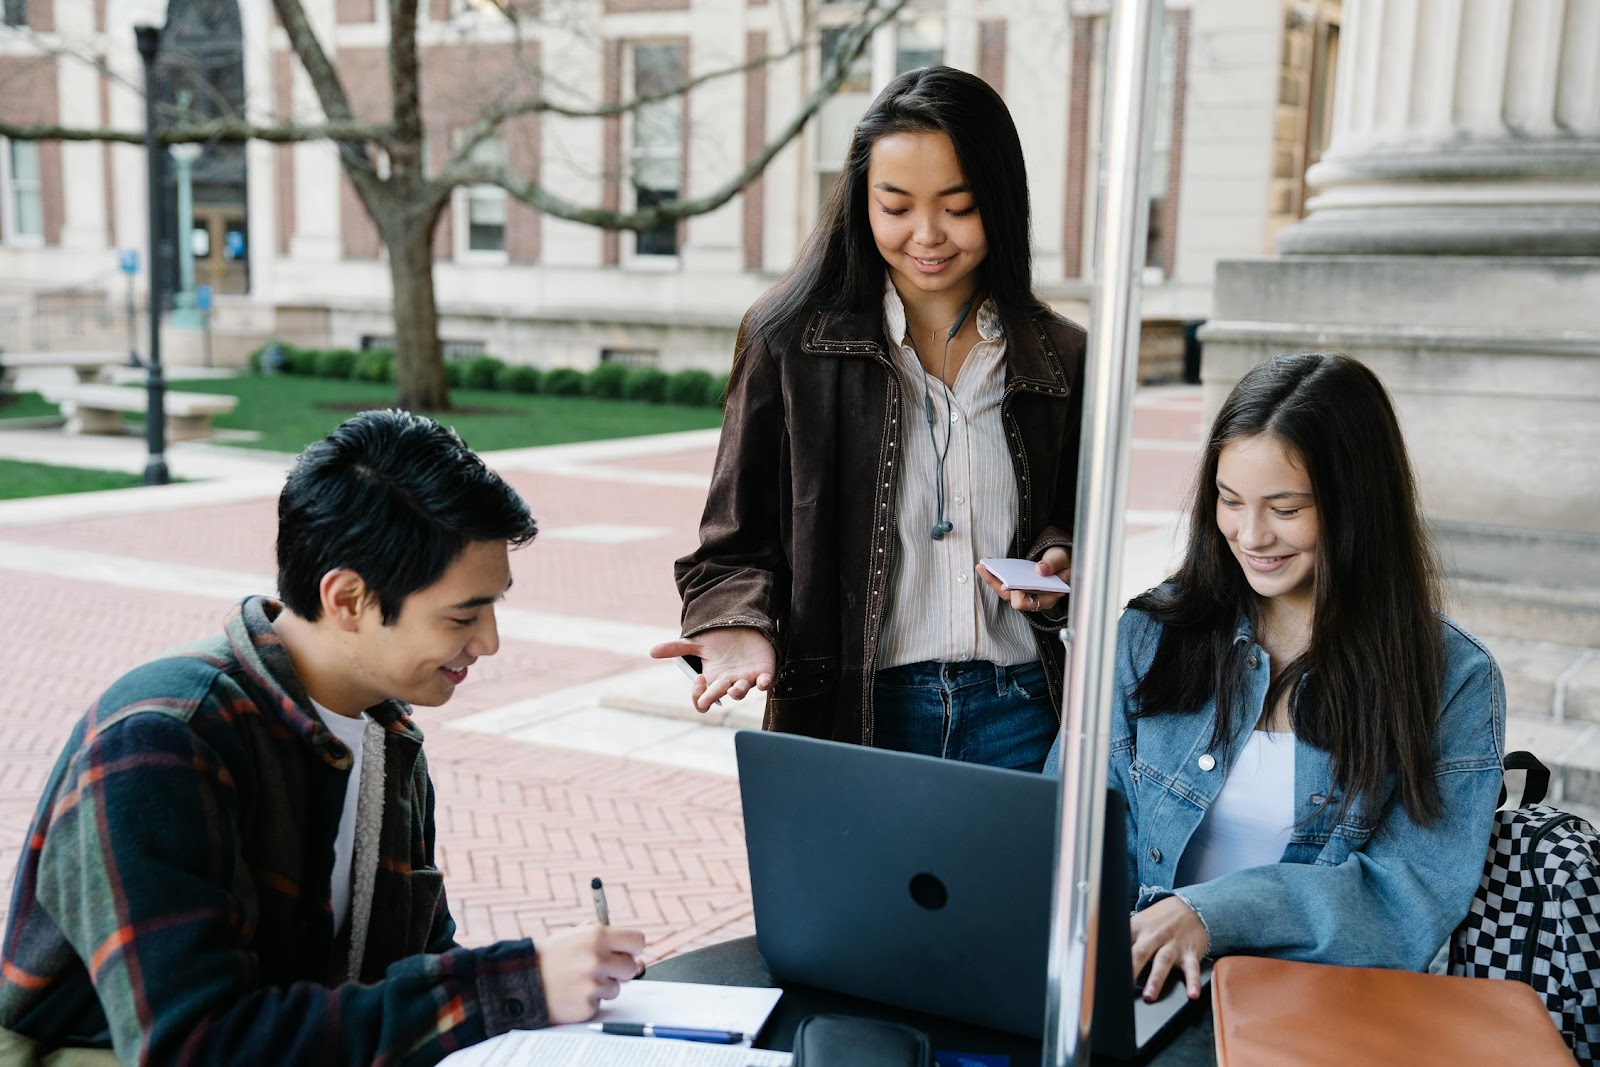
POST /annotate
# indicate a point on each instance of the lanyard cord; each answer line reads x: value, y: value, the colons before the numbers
x: 942, y: 525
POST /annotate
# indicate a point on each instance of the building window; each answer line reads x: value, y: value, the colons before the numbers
x: 481, y: 209
x: 631, y: 357
x: 918, y: 42
x: 21, y: 200
x: 15, y: 12
x: 1156, y: 252
x: 656, y: 161
x: 912, y: 42
x: 1158, y: 248
x: 841, y: 112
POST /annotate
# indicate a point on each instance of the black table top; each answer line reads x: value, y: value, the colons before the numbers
x: 738, y: 962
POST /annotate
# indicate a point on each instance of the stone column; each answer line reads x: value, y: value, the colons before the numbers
x: 1463, y: 127
x: 1453, y: 245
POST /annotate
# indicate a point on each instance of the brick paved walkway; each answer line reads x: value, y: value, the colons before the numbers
x: 618, y: 781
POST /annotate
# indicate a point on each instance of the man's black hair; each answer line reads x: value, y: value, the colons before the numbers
x: 394, y: 497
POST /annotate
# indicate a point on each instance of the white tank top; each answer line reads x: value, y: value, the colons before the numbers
x: 1250, y: 822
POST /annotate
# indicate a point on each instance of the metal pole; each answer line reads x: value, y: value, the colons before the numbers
x: 1097, y: 553
x: 184, y: 312
x: 133, y: 326
x: 155, y: 425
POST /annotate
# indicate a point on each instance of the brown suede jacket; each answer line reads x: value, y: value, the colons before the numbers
x: 798, y: 537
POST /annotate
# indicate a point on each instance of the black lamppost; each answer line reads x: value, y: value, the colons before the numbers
x: 155, y: 425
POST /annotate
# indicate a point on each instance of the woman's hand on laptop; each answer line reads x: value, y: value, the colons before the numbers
x: 582, y: 966
x: 1168, y: 935
x: 733, y: 661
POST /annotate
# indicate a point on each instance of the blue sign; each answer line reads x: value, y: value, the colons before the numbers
x: 202, y: 297
x: 233, y: 244
x: 128, y: 260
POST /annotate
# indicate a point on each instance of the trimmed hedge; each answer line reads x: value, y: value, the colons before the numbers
x: 482, y: 372
x: 564, y: 381
x: 646, y: 383
x: 606, y: 381
x: 650, y: 385
x: 519, y: 378
x: 692, y: 388
x: 374, y: 365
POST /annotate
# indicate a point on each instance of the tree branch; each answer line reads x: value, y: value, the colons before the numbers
x: 495, y: 117
x: 465, y: 172
x: 324, y: 78
x: 203, y: 132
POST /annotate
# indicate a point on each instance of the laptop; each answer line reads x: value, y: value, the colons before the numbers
x: 926, y: 884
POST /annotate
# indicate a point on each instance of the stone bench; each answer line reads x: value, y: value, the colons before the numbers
x: 99, y: 409
x: 87, y: 365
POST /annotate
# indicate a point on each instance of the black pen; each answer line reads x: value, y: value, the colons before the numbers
x: 680, y: 1033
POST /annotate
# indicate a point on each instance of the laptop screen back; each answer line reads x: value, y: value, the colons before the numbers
x: 900, y: 878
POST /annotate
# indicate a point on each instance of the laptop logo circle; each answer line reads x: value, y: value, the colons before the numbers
x: 928, y: 891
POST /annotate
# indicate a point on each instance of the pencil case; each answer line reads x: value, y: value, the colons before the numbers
x: 827, y: 1040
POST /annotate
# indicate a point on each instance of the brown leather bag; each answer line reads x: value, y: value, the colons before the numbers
x: 1272, y: 1013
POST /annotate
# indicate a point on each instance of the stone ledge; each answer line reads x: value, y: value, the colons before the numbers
x: 664, y: 690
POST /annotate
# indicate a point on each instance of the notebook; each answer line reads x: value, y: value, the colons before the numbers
x: 926, y: 884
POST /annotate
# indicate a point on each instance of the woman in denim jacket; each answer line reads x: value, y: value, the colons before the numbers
x: 1310, y: 752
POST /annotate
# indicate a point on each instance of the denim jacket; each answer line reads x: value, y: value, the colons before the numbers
x: 1374, y: 889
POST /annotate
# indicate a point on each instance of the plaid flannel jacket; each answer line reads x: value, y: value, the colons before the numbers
x: 173, y: 897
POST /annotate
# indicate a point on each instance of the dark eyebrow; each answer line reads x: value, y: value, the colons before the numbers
x: 952, y: 191
x: 1286, y: 494
x: 480, y: 601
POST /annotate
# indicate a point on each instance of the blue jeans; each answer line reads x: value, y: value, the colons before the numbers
x: 976, y: 712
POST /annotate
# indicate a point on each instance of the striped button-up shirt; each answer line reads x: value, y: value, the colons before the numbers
x: 939, y: 607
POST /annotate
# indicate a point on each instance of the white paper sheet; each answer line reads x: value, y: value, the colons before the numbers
x: 559, y: 1048
x: 702, y: 1007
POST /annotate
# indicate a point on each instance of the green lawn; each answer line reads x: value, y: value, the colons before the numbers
x: 19, y: 480
x: 25, y: 406
x: 291, y: 412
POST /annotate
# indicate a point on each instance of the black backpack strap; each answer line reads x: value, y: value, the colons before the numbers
x: 1538, y: 783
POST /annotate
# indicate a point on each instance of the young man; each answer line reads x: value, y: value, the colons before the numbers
x: 234, y: 857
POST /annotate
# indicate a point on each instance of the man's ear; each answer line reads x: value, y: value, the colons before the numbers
x: 345, y: 598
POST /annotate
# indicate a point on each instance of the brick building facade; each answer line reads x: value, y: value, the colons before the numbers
x: 537, y: 288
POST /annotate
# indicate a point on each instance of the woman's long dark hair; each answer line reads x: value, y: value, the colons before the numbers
x: 840, y: 269
x: 1373, y: 668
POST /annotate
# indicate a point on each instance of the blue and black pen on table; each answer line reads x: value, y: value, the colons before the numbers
x: 677, y: 1033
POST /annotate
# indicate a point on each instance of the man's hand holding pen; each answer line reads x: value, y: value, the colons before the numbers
x: 585, y: 965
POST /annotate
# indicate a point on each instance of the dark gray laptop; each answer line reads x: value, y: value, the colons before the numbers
x: 924, y: 883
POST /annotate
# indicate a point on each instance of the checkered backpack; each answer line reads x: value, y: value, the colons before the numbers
x: 1536, y: 915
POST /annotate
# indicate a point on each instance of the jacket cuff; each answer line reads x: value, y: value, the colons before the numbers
x: 510, y: 991
x: 754, y: 622
x: 1213, y: 912
x: 1052, y: 538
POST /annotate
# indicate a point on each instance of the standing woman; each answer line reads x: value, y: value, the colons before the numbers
x: 1310, y: 751
x: 901, y: 405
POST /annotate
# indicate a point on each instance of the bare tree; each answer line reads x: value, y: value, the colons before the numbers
x: 384, y: 156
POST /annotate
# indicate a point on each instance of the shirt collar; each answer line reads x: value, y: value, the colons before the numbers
x: 894, y: 315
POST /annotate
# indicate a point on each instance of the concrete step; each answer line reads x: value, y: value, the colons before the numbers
x: 662, y: 689
x: 1553, y: 711
x: 1547, y: 681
